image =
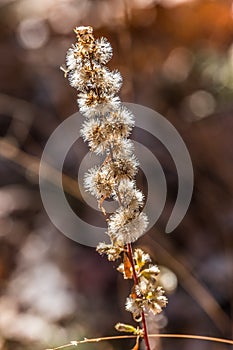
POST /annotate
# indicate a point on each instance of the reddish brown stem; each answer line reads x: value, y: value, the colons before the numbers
x: 135, y: 277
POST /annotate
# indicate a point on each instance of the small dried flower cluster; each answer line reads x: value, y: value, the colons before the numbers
x: 146, y: 294
x: 106, y: 128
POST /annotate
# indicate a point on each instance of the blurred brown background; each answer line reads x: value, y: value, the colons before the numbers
x: 176, y: 57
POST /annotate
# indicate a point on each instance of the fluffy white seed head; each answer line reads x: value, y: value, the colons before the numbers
x: 110, y: 130
x: 72, y: 60
x: 91, y: 106
x: 99, y: 182
x: 103, y: 50
x: 123, y: 148
x: 126, y: 228
x: 111, y: 82
x: 75, y: 78
x: 129, y: 196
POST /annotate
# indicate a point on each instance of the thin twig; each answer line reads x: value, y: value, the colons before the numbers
x: 118, y: 337
x: 31, y: 163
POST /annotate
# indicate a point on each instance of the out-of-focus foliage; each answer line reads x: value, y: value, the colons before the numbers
x: 175, y: 57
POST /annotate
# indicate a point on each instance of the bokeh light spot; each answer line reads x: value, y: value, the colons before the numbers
x: 202, y: 103
x: 168, y: 279
x: 33, y: 33
x: 178, y: 64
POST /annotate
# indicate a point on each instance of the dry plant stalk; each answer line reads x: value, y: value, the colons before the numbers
x: 107, y: 127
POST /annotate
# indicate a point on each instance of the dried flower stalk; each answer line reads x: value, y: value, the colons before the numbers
x: 107, y: 127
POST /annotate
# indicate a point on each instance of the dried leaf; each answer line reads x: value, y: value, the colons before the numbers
x: 133, y: 294
x: 127, y: 267
x: 122, y: 327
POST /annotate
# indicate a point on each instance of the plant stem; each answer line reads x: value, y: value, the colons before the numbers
x: 135, y: 277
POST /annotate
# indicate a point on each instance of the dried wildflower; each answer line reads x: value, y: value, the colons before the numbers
x: 126, y: 226
x: 107, y: 129
x: 100, y: 182
x: 141, y: 258
x: 122, y: 148
x: 149, y: 299
x: 102, y: 132
x: 113, y: 251
x: 103, y: 50
x: 146, y: 294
